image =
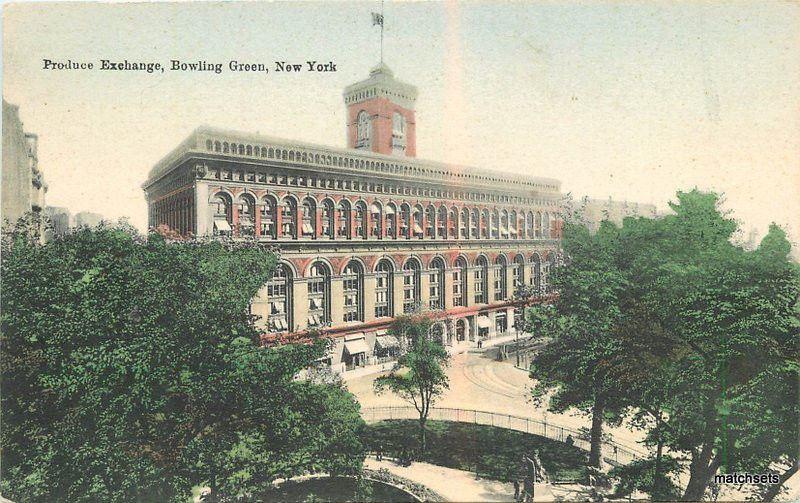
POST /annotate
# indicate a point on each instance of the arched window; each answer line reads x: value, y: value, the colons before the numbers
x: 246, y: 207
x: 437, y: 284
x: 343, y: 228
x: 279, y: 293
x: 309, y: 218
x: 463, y: 224
x: 353, y: 283
x: 441, y: 223
x: 473, y: 224
x: 391, y: 220
x: 364, y: 130
x: 546, y: 225
x: 538, y: 225
x: 288, y: 218
x: 405, y: 220
x: 495, y: 224
x: 500, y: 269
x: 398, y: 134
x: 361, y: 219
x: 418, y: 221
x: 430, y: 224
x: 504, y: 232
x: 481, y: 280
x: 548, y: 268
x: 411, y: 284
x: 223, y: 214
x: 268, y: 217
x: 512, y: 224
x: 319, y: 288
x: 529, y: 227
x: 384, y: 287
x: 485, y: 224
x: 376, y: 220
x: 518, y: 273
x: 536, y: 272
x: 460, y: 282
x: 327, y: 218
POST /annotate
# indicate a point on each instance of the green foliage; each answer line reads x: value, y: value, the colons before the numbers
x: 695, y: 337
x: 419, y: 377
x: 132, y: 372
x: 639, y: 476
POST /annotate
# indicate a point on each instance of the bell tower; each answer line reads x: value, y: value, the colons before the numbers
x: 380, y: 114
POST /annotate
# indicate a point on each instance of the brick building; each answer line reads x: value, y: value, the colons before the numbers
x: 369, y: 231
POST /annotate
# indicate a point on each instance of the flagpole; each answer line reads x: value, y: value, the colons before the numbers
x: 382, y: 18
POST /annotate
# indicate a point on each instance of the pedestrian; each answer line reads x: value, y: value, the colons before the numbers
x: 379, y: 452
x: 516, y: 490
x: 569, y: 441
x: 480, y: 343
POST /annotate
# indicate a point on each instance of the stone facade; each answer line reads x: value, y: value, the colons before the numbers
x: 88, y: 219
x: 364, y: 235
x: 24, y: 188
x: 594, y: 211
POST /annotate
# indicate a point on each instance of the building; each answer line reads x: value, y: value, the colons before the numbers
x: 88, y: 219
x: 594, y: 211
x: 369, y: 231
x: 60, y: 220
x: 24, y: 188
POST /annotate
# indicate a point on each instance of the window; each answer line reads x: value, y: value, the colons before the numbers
x: 361, y: 219
x: 375, y: 216
x: 327, y: 219
x: 411, y: 275
x: 504, y: 224
x: 405, y: 220
x: 441, y: 223
x: 538, y: 225
x: 513, y: 225
x: 459, y: 282
x: 384, y: 280
x: 529, y: 228
x: 343, y: 229
x: 437, y: 284
x: 268, y: 227
x: 364, y: 130
x: 417, y: 231
x: 430, y: 224
x: 223, y: 214
x: 246, y: 207
x: 318, y: 295
x: 452, y: 224
x: 463, y: 224
x: 495, y: 224
x: 398, y: 134
x: 536, y: 273
x: 288, y: 218
x: 473, y: 224
x: 546, y: 225
x: 500, y: 278
x: 309, y: 229
x: 279, y: 292
x: 391, y: 220
x: 485, y: 224
x: 353, y: 283
x: 481, y: 280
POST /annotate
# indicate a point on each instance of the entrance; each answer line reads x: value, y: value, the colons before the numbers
x: 461, y: 330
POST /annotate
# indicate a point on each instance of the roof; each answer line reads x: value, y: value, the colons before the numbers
x: 363, y: 160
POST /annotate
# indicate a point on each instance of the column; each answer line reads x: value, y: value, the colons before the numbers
x: 510, y: 280
x: 337, y: 300
x: 448, y: 288
x: 368, y: 295
x: 469, y: 292
x: 397, y: 298
x: 425, y: 289
x: 299, y: 305
x: 490, y: 284
x: 259, y: 306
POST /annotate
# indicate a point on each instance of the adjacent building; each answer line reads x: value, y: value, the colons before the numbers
x: 88, y: 219
x: 594, y: 211
x: 23, y: 185
x: 369, y: 231
x: 60, y: 220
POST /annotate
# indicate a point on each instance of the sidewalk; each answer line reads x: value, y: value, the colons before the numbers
x: 457, y: 485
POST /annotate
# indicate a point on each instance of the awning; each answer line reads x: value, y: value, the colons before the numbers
x: 314, y: 303
x: 387, y: 342
x: 484, y: 322
x: 503, y: 231
x: 307, y: 229
x: 389, y: 210
x: 513, y: 231
x: 356, y: 346
x: 222, y: 225
x: 417, y: 229
x: 278, y: 307
x: 313, y: 320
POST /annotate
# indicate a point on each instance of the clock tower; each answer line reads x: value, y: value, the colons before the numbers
x: 380, y: 114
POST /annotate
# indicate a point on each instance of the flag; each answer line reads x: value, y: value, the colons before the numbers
x: 377, y: 19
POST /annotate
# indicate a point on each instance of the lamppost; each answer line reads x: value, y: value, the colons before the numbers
x: 516, y: 339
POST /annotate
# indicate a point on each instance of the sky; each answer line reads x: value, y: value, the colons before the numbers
x: 628, y: 100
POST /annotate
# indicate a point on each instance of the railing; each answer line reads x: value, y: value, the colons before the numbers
x: 613, y: 452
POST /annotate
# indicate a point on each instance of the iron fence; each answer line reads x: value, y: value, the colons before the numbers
x: 613, y: 452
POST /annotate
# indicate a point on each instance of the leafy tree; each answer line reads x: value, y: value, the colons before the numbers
x: 131, y: 371
x: 575, y: 365
x: 419, y: 375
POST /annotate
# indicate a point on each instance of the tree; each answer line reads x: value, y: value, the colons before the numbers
x: 419, y: 375
x: 132, y: 371
x: 575, y: 365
